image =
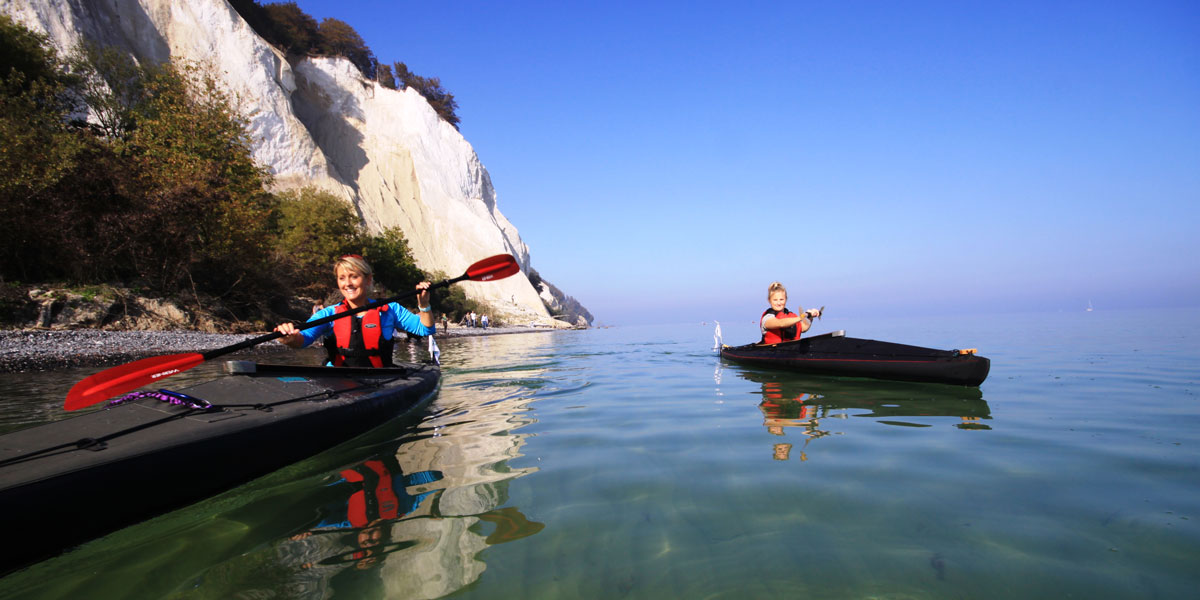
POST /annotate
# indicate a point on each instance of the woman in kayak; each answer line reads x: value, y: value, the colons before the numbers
x: 364, y: 339
x: 777, y: 323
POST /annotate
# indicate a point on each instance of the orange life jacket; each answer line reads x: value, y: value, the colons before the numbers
x: 377, y: 500
x: 787, y: 334
x: 359, y: 342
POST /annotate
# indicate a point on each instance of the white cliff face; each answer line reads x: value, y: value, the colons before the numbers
x: 410, y: 169
x: 318, y: 122
x: 548, y: 298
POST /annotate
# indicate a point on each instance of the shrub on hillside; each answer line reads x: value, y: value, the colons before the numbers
x: 390, y: 257
x: 205, y: 216
x: 166, y: 192
x: 44, y: 161
x: 27, y: 60
x: 112, y: 85
x: 313, y: 227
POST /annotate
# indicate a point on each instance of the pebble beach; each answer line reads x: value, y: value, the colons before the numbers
x: 42, y: 350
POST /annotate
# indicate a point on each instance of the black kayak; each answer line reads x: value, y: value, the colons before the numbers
x: 837, y: 355
x: 66, y: 482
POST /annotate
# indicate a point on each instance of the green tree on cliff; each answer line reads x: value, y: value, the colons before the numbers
x: 338, y: 38
x: 383, y: 74
x: 431, y: 89
x: 296, y: 31
x: 282, y: 24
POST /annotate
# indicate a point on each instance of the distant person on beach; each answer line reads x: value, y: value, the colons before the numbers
x: 778, y: 324
x: 483, y: 321
x: 364, y: 339
x: 445, y: 322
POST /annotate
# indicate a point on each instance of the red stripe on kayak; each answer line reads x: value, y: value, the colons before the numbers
x: 874, y: 360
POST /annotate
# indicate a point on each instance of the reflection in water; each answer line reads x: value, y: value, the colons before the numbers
x: 470, y: 440
x: 383, y: 531
x: 799, y: 403
x: 413, y: 520
x: 800, y: 412
x: 355, y: 531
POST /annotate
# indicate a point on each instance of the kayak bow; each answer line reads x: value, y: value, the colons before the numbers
x: 148, y: 453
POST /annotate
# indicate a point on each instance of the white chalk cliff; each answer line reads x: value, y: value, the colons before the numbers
x: 317, y: 121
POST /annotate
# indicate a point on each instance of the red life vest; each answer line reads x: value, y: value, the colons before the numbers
x: 376, y: 500
x: 360, y: 341
x: 787, y: 334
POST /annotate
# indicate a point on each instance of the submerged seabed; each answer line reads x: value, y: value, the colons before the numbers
x: 631, y: 463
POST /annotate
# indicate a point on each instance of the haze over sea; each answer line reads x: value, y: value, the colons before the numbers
x: 632, y: 463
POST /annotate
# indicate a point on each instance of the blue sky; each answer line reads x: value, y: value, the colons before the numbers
x: 668, y: 160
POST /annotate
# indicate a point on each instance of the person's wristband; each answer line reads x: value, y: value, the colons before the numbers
x: 425, y: 308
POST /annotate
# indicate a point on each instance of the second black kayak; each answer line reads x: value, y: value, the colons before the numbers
x: 70, y: 481
x: 838, y: 355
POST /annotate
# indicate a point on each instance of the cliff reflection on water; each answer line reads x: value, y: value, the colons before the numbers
x: 411, y: 520
x: 456, y: 477
x: 806, y: 405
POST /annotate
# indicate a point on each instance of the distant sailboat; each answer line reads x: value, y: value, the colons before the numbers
x: 1089, y: 308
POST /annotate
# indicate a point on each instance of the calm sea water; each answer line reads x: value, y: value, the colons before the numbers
x: 630, y: 463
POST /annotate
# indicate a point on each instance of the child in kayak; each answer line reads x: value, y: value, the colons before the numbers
x: 364, y: 339
x: 777, y: 323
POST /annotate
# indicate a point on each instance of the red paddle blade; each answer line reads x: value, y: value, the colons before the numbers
x: 493, y: 267
x: 128, y: 377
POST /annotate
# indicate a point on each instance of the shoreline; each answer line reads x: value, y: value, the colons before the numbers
x: 31, y: 350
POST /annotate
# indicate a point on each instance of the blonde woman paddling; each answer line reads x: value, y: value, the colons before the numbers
x: 364, y: 339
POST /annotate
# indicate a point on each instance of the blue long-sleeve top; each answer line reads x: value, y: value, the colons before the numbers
x: 395, y: 318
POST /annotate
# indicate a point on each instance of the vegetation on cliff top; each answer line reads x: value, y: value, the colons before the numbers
x: 159, y: 191
x: 287, y: 27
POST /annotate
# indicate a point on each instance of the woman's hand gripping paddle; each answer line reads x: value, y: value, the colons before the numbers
x: 130, y: 376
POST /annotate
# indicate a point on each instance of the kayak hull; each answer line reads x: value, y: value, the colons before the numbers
x: 70, y: 481
x: 841, y: 356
